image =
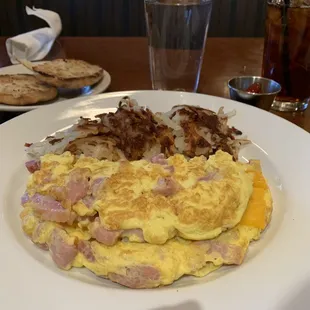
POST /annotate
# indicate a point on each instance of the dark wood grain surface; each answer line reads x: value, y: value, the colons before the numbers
x: 126, y: 59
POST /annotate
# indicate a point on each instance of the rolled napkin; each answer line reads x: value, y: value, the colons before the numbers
x: 36, y: 44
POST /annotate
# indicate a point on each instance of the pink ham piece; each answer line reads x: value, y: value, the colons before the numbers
x: 166, y: 187
x: 161, y: 160
x: 33, y: 165
x: 137, y: 277
x: 49, y: 209
x: 25, y: 198
x: 110, y: 237
x: 88, y: 201
x: 230, y: 253
x: 97, y: 185
x: 62, y: 253
x: 212, y: 176
x: 73, y: 216
x: 84, y: 247
x: 58, y: 192
x: 102, y: 235
x: 78, y: 186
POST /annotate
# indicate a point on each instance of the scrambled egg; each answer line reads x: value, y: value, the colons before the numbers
x: 210, y: 196
x: 144, y: 265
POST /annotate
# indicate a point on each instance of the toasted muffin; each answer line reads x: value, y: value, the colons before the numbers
x: 68, y: 73
x: 24, y: 89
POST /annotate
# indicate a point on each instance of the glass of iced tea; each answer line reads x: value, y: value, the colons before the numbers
x: 177, y: 31
x: 287, y: 52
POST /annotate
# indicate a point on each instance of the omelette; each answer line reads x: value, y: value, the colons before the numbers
x: 73, y: 207
x: 147, y: 201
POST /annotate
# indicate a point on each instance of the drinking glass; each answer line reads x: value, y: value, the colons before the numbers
x: 287, y: 52
x: 177, y: 31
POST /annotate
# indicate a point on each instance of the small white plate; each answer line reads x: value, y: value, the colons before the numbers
x: 98, y: 88
x: 275, y: 274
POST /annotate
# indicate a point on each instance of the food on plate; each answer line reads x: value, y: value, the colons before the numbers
x: 70, y: 204
x: 134, y: 132
x: 68, y: 73
x: 159, y: 199
x: 255, y: 88
x: 144, y: 198
x: 24, y: 89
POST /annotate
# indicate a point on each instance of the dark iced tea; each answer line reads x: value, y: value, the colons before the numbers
x: 287, y: 49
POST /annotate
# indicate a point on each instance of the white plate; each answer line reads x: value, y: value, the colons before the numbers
x: 275, y: 274
x: 98, y: 88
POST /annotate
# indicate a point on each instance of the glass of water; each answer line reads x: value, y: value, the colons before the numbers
x: 177, y: 32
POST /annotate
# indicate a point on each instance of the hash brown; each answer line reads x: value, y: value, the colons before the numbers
x: 138, y: 133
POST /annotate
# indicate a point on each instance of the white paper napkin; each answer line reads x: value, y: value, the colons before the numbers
x: 36, y: 44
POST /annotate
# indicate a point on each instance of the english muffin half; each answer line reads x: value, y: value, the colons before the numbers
x: 68, y: 73
x: 24, y: 89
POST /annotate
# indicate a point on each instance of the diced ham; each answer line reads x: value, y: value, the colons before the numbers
x: 62, y: 253
x: 25, y: 198
x: 102, y: 235
x: 88, y: 201
x: 137, y: 277
x: 78, y: 186
x: 97, y: 185
x: 85, y: 248
x: 107, y: 237
x: 231, y: 254
x: 49, y: 209
x: 33, y: 165
x: 212, y: 176
x: 159, y: 159
x: 166, y: 187
x: 59, y: 192
x: 73, y: 216
x: 110, y: 237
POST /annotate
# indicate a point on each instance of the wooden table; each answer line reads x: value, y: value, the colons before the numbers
x: 126, y: 59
